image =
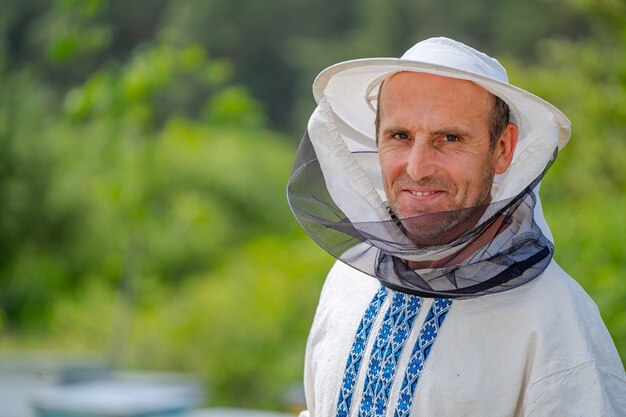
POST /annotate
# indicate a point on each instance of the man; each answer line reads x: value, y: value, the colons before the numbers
x: 421, y: 175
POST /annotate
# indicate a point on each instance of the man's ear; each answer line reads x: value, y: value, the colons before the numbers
x: 503, y: 153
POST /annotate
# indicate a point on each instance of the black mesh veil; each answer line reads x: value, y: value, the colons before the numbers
x: 493, y: 248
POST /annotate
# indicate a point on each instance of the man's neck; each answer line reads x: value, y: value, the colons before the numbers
x: 483, y: 239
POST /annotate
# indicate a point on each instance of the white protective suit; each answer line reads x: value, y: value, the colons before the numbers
x: 537, y: 350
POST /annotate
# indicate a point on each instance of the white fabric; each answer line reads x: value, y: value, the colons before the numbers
x: 537, y: 350
x: 337, y: 161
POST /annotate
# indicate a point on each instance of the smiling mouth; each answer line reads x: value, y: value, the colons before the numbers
x: 422, y: 193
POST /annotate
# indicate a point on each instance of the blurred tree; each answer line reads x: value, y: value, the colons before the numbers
x: 123, y: 184
x: 586, y: 78
x: 27, y: 230
x: 276, y: 46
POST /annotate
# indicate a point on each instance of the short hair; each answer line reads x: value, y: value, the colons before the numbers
x: 500, y: 116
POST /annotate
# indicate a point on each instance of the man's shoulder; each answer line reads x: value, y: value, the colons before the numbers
x: 551, y: 313
x: 347, y: 279
x: 552, y: 301
x: 556, y: 291
x: 346, y: 291
x: 579, y: 365
x: 552, y: 290
x: 555, y: 278
x: 559, y: 316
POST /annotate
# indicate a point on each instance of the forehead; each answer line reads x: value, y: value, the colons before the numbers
x: 411, y: 86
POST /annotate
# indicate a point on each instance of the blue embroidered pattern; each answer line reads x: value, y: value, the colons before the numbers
x: 430, y: 328
x: 388, y: 346
x: 356, y: 352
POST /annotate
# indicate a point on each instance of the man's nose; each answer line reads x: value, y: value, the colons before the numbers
x: 421, y: 160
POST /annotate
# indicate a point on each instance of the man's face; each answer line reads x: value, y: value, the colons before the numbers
x: 435, y: 154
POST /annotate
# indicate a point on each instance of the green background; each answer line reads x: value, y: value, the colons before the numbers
x: 145, y: 147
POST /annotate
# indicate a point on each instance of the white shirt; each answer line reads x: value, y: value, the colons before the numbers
x: 537, y: 350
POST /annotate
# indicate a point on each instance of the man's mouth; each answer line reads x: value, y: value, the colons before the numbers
x: 421, y: 193
x: 413, y: 202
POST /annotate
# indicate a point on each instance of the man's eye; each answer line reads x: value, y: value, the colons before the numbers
x: 451, y: 138
x: 401, y: 136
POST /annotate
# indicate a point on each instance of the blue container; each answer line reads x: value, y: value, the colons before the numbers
x: 130, y: 397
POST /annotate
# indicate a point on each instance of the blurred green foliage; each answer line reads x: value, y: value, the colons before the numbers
x: 144, y: 155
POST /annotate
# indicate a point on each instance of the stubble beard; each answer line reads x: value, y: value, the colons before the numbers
x: 438, y: 228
